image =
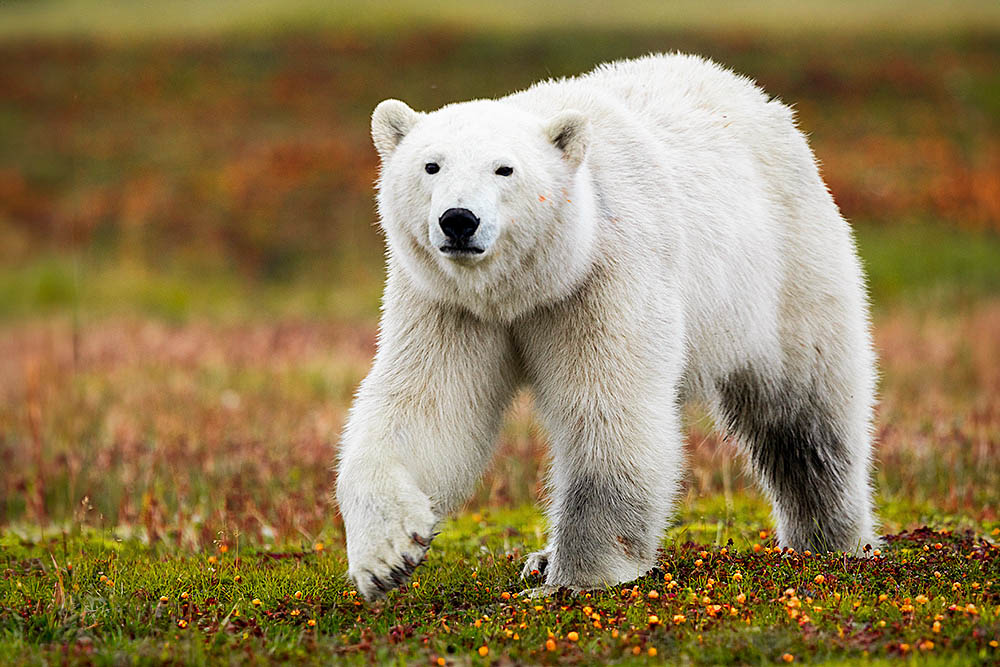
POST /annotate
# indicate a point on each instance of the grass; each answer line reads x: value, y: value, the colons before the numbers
x: 721, y: 594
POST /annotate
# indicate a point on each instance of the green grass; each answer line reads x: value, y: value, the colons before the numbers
x: 64, y: 284
x: 89, y: 596
x: 929, y: 266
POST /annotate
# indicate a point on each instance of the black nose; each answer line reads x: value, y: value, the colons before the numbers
x: 458, y: 224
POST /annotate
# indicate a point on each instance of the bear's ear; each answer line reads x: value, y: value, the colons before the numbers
x: 391, y: 121
x: 569, y: 131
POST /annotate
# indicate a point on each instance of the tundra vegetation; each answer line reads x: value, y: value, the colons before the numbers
x: 189, y: 282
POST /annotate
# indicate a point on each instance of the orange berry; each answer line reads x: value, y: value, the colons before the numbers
x: 573, y: 636
x: 550, y: 645
x: 788, y: 657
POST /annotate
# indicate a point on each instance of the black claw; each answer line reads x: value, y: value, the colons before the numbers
x: 398, y: 575
x: 422, y: 541
x: 379, y: 585
x: 411, y: 564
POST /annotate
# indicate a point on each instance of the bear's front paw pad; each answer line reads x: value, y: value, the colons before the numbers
x: 536, y: 564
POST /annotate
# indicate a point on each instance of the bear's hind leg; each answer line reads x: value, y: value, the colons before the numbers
x: 811, y: 456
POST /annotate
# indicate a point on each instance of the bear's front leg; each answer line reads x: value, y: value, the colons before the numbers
x: 607, y: 517
x: 605, y: 373
x: 420, y: 432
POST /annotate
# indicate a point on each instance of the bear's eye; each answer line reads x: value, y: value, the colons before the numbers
x: 432, y: 168
x: 504, y: 171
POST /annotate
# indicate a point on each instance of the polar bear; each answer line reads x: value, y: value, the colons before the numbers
x: 653, y: 232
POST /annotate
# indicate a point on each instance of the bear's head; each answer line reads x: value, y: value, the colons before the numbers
x: 485, y: 205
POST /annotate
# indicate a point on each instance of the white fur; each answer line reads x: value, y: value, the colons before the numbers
x: 665, y: 228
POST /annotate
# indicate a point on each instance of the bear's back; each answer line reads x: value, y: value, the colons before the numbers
x: 687, y: 102
x: 676, y: 84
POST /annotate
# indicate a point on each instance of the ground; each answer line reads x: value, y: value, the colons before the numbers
x: 189, y: 281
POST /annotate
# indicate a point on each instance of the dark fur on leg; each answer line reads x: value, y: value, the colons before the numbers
x: 799, y: 452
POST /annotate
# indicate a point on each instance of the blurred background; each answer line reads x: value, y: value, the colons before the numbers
x: 190, y: 264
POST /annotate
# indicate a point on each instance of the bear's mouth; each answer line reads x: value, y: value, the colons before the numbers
x: 463, y: 250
